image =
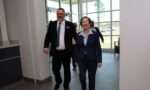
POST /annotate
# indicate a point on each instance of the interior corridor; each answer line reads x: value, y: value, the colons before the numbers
x: 107, y: 78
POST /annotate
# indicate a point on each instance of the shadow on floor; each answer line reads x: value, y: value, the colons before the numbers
x: 107, y: 78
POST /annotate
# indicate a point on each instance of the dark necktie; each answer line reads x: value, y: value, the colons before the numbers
x: 58, y: 33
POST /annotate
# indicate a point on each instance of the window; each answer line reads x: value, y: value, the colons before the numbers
x: 93, y: 6
x: 105, y: 28
x: 107, y: 42
x: 115, y: 40
x: 66, y: 5
x: 115, y: 4
x: 52, y: 6
x: 75, y: 11
x: 104, y: 17
x: 84, y: 7
x: 115, y: 28
x: 104, y: 13
x: 104, y: 5
x: 93, y: 17
x: 116, y: 16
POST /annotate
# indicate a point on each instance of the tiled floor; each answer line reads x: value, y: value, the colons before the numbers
x: 107, y: 78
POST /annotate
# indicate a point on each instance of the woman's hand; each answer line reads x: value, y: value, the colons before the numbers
x: 99, y: 64
x: 45, y: 50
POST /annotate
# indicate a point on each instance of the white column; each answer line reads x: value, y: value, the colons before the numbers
x: 28, y: 21
x: 135, y: 45
x: 3, y: 24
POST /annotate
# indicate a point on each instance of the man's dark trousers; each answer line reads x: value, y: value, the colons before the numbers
x: 61, y: 58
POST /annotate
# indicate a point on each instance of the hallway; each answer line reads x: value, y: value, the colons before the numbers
x: 107, y: 78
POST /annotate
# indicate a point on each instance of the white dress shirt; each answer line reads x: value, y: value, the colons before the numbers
x: 85, y: 36
x: 61, y: 45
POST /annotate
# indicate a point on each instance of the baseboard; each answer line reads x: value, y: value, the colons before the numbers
x: 38, y: 81
x: 108, y: 50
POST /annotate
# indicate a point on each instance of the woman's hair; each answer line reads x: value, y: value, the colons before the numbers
x: 85, y: 17
x: 75, y: 25
x: 92, y: 24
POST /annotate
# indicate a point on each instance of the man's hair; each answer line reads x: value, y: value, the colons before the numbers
x: 61, y: 9
x: 85, y: 17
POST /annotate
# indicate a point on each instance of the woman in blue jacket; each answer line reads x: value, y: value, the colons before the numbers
x: 88, y: 53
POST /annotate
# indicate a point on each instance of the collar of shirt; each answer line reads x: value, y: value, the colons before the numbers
x: 83, y: 34
x: 63, y: 22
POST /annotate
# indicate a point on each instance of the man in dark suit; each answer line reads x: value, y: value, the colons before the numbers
x: 60, y: 34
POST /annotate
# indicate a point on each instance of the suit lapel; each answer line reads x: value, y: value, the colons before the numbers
x: 55, y: 29
x: 65, y: 25
x: 90, y: 39
x: 81, y: 38
x: 65, y: 37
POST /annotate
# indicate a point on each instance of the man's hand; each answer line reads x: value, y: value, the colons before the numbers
x: 102, y: 41
x: 99, y: 64
x: 45, y: 50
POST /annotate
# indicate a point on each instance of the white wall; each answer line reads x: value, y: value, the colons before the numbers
x: 3, y: 26
x: 12, y: 9
x: 27, y: 23
x: 41, y: 29
x: 135, y: 45
x: 0, y: 33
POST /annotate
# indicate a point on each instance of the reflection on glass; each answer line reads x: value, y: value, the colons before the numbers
x: 105, y: 17
x: 107, y: 42
x: 92, y: 6
x: 115, y: 4
x: 84, y: 9
x: 116, y: 16
x: 93, y: 17
x: 114, y: 40
x: 52, y: 6
x: 66, y: 5
x: 104, y: 5
x: 115, y: 28
x: 75, y: 13
x: 98, y: 10
x: 105, y: 28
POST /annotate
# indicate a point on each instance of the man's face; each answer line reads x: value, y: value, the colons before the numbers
x: 60, y: 14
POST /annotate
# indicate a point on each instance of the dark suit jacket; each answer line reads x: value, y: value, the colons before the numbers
x: 51, y: 36
x: 92, y: 50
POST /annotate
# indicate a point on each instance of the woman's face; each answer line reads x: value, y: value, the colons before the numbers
x: 85, y: 24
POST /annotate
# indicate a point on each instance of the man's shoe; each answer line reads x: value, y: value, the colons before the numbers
x: 74, y: 69
x: 66, y: 88
x: 56, y: 87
